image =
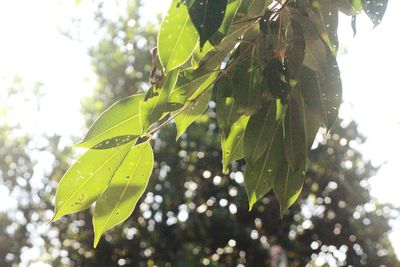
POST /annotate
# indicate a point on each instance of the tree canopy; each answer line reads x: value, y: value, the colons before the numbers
x: 270, y: 69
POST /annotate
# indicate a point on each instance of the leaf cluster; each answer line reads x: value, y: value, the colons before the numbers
x: 270, y: 67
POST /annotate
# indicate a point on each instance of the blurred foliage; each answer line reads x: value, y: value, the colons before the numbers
x: 193, y: 215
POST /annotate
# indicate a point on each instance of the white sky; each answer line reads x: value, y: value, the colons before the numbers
x: 32, y: 46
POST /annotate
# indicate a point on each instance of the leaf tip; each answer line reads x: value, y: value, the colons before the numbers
x: 56, y: 216
x: 96, y: 240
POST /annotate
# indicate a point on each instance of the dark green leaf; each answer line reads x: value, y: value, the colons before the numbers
x: 246, y: 79
x: 295, y: 50
x: 295, y: 141
x: 259, y: 132
x: 375, y: 9
x: 207, y: 17
x: 259, y: 177
x: 322, y: 91
x: 288, y: 185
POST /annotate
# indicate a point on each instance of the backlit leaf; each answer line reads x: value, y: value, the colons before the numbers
x: 295, y: 141
x: 322, y: 91
x: 288, y: 185
x: 87, y: 178
x: 191, y: 112
x: 153, y: 108
x: 232, y: 142
x: 192, y: 83
x: 260, y: 175
x: 128, y: 184
x: 121, y: 119
x: 177, y: 37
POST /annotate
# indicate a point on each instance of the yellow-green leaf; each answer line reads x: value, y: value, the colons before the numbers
x: 87, y: 179
x: 156, y: 104
x: 125, y: 189
x: 232, y: 142
x: 117, y: 125
x: 191, y: 112
x: 177, y: 37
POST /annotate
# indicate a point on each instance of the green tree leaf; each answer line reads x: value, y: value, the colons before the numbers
x: 207, y: 17
x: 231, y: 9
x: 87, y: 178
x: 177, y: 37
x: 152, y: 109
x: 259, y: 176
x: 192, y: 83
x: 196, y: 105
x: 226, y: 112
x: 246, y: 79
x: 125, y: 189
x: 288, y: 185
x: 117, y: 125
x: 375, y: 9
x: 259, y: 132
x: 295, y: 141
x: 295, y: 50
x: 232, y: 142
x: 257, y: 8
x: 322, y: 91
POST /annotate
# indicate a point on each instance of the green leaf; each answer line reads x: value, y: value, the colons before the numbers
x: 232, y: 142
x: 177, y: 37
x: 211, y: 57
x: 347, y: 7
x: 192, y: 83
x: 259, y: 132
x: 375, y: 9
x: 231, y: 9
x: 322, y: 91
x: 128, y: 184
x: 121, y: 119
x: 152, y: 109
x: 325, y: 18
x: 87, y: 178
x: 313, y: 123
x: 288, y: 185
x: 316, y: 49
x: 259, y: 177
x: 247, y: 79
x: 257, y: 8
x: 226, y: 113
x: 193, y: 110
x: 295, y: 50
x: 295, y: 141
x: 207, y: 17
